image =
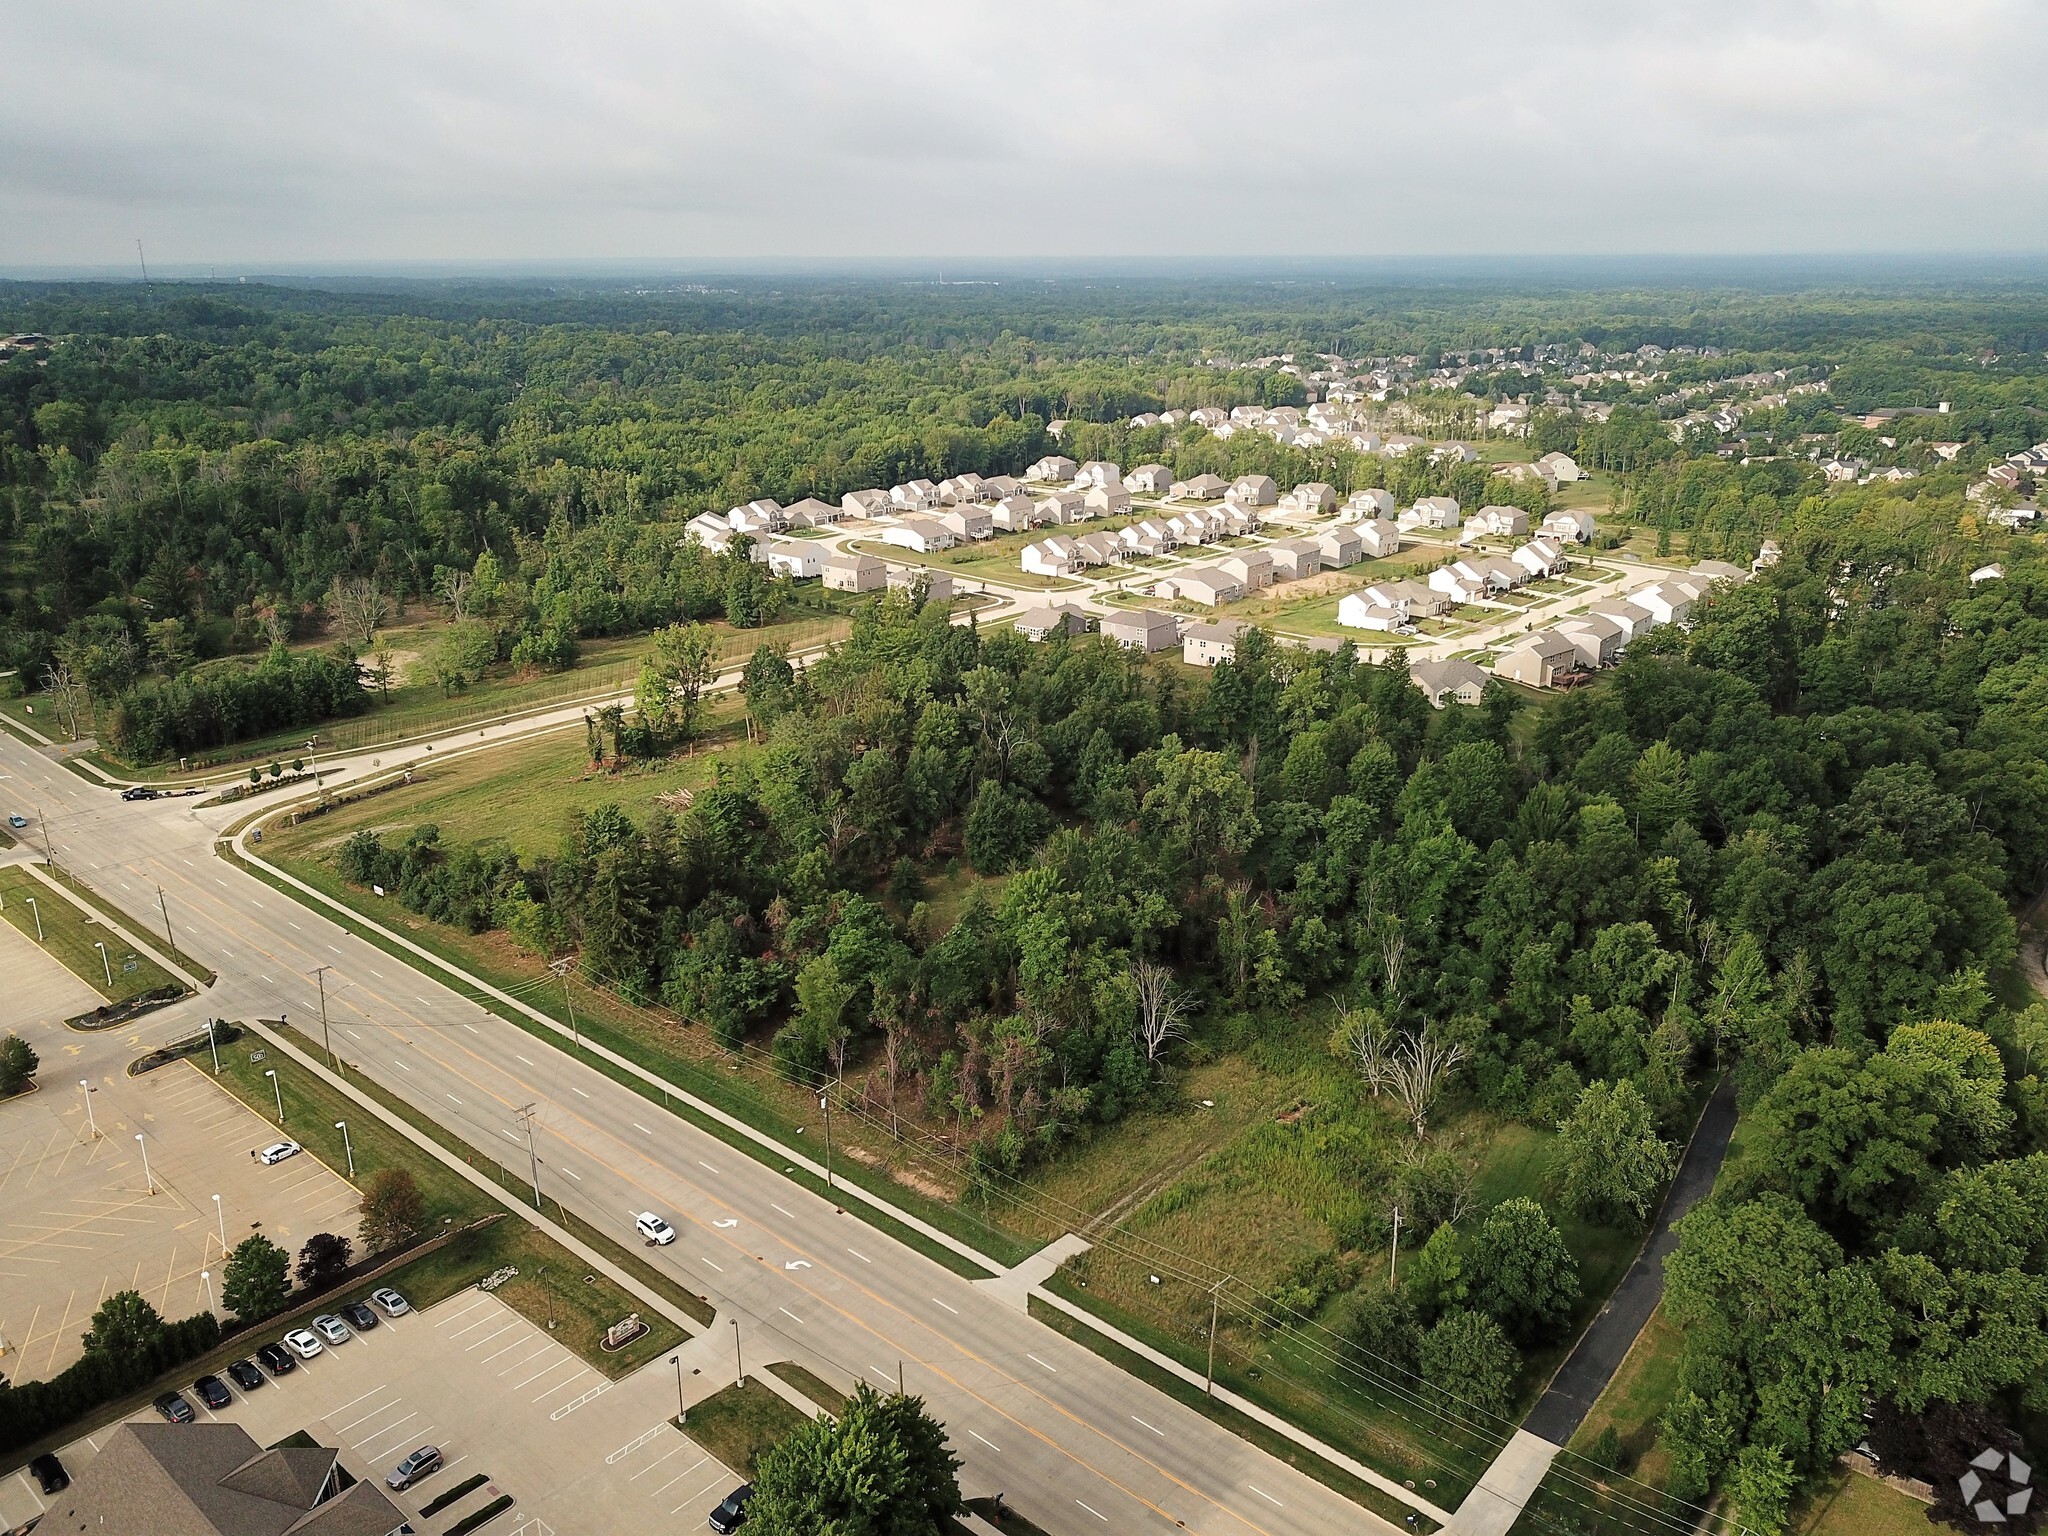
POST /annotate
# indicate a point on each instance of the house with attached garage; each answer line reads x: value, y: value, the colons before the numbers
x: 926, y: 535
x: 1107, y: 500
x: 1054, y: 619
x: 1013, y: 514
x: 1199, y: 488
x: 1149, y: 480
x: 914, y: 496
x: 865, y: 504
x: 1144, y: 419
x: 1099, y: 548
x: 1254, y: 491
x: 1540, y: 558
x: 811, y: 513
x: 1189, y: 528
x: 1458, y: 586
x: 1252, y: 567
x: 1439, y: 512
x: 1312, y: 496
x: 1151, y: 536
x: 1053, y: 469
x: 1629, y: 618
x: 854, y: 573
x: 996, y: 487
x: 1205, y: 643
x: 756, y: 517
x: 937, y: 586
x: 1367, y: 505
x: 1357, y: 611
x: 1597, y: 639
x: 1538, y: 659
x: 1146, y: 629
x: 1668, y: 602
x: 959, y: 488
x: 1063, y: 507
x: 1208, y: 416
x: 798, y: 559
x: 1206, y: 585
x: 1098, y: 472
x: 1412, y: 599
x: 1496, y: 522
x: 1056, y: 556
x: 1558, y: 468
x: 710, y: 530
x: 1443, y: 681
x: 1574, y: 525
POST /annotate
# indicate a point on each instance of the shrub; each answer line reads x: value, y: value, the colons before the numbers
x: 1469, y: 1363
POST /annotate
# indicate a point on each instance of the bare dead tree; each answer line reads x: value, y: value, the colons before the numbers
x: 277, y: 629
x: 1393, y: 954
x: 1422, y: 1063
x: 67, y: 694
x: 357, y: 607
x: 453, y: 587
x: 1162, y: 1008
x: 1366, y: 1039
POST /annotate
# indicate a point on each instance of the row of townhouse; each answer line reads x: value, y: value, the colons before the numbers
x: 1586, y: 642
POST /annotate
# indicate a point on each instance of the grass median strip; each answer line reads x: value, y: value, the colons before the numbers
x: 813, y: 1386
x: 144, y: 930
x: 448, y: 1496
x: 72, y: 938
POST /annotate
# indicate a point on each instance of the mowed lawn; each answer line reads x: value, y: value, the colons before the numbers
x: 522, y: 795
x: 70, y: 936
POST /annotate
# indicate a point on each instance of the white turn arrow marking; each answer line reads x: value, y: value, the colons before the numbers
x: 730, y: 1221
x: 798, y: 1264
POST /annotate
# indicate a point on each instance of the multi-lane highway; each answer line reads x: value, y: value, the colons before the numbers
x: 1076, y: 1442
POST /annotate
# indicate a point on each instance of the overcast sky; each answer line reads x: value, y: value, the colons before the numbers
x: 255, y: 135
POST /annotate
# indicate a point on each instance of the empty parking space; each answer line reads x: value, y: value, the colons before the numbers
x: 500, y: 1398
x: 82, y: 1217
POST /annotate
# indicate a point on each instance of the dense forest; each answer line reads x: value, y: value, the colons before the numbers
x: 1786, y: 840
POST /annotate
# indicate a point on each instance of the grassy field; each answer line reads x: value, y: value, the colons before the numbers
x: 70, y: 937
x: 1848, y: 1504
x: 551, y: 1281
x: 417, y: 706
x: 739, y: 1422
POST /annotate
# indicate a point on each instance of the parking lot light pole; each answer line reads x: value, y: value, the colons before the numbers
x: 207, y: 1276
x: 278, y: 1088
x: 104, y: 961
x: 38, y: 911
x: 348, y: 1147
x: 213, y: 1045
x: 682, y: 1413
x: 86, y: 1086
x: 148, y: 1177
x: 220, y: 1215
x: 738, y: 1364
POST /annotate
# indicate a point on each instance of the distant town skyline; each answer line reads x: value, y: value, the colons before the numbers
x: 242, y: 135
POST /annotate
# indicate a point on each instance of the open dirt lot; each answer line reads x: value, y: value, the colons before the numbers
x: 78, y: 1219
x: 583, y: 1456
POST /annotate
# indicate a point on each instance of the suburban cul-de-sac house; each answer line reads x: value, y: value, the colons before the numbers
x: 1207, y: 642
x: 798, y: 559
x: 1439, y: 512
x: 969, y: 520
x: 937, y: 586
x: 1149, y: 480
x: 1495, y: 522
x: 1368, y: 504
x: 1107, y: 500
x: 865, y: 504
x: 854, y: 573
x: 1295, y: 559
x: 1252, y: 567
x: 1053, y: 469
x: 1340, y: 546
x: 1538, y: 659
x: 1205, y: 584
x: 1056, y: 556
x: 1013, y: 514
x: 924, y: 534
x: 1098, y: 472
x: 1254, y: 491
x: 1442, y: 681
x: 1053, y: 619
x: 1145, y: 629
x: 914, y: 496
x: 811, y: 513
x: 1311, y: 496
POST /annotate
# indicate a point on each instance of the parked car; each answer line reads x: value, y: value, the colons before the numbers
x: 277, y: 1152
x: 332, y: 1328
x: 302, y: 1343
x: 174, y: 1407
x: 731, y: 1514
x: 654, y: 1229
x: 394, y: 1305
x: 359, y: 1317
x: 277, y: 1359
x: 423, y: 1462
x: 243, y: 1373
x: 213, y: 1392
x: 49, y: 1473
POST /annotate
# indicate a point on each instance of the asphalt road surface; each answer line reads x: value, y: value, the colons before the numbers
x: 1077, y: 1444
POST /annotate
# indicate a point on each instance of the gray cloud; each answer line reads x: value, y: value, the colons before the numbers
x: 245, y: 134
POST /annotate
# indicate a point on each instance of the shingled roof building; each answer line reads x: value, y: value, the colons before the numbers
x: 214, y: 1480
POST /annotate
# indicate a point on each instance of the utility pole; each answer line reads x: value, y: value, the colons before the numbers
x: 561, y: 968
x: 682, y: 1413
x: 1394, y: 1251
x: 326, y: 1040
x: 825, y: 1103
x: 49, y: 855
x: 899, y: 1378
x: 1215, y: 1312
x: 524, y: 1115
x: 161, y: 906
x: 738, y: 1365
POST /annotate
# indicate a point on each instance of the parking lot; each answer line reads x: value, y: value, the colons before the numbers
x: 500, y: 1398
x: 78, y: 1219
x: 39, y: 990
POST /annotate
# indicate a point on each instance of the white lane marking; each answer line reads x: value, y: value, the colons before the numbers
x: 1033, y: 1358
x: 861, y: 1256
x: 790, y: 1214
x: 719, y: 1267
x: 295, y: 925
x: 522, y: 1058
x: 472, y: 1029
x: 572, y: 1173
x: 789, y: 1314
x: 453, y: 1099
x: 508, y: 1136
x: 890, y: 1379
x: 954, y: 1310
x: 378, y: 974
x: 574, y: 1089
x: 642, y: 1129
x: 1255, y: 1488
x: 1098, y: 1514
x: 984, y: 1439
x: 401, y: 1065
x: 1153, y: 1427
x: 702, y: 1164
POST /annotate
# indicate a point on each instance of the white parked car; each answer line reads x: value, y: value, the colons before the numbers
x: 332, y: 1328
x: 277, y: 1152
x: 655, y: 1230
x: 302, y: 1343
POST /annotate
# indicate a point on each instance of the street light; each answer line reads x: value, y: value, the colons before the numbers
x: 96, y: 944
x: 148, y: 1177
x: 278, y: 1089
x: 89, y: 1120
x: 213, y: 1045
x: 825, y: 1103
x: 207, y: 1276
x: 342, y: 1126
x: 38, y: 911
x: 682, y: 1413
x: 220, y: 1215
